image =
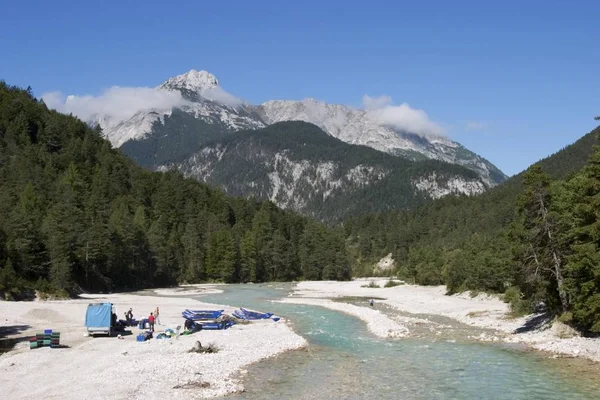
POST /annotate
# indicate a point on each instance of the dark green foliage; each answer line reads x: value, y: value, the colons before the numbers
x: 392, y: 283
x: 542, y: 250
x: 583, y: 264
x: 372, y: 285
x: 77, y: 215
x: 482, y: 263
x: 518, y: 304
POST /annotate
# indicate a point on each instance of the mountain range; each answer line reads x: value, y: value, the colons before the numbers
x: 298, y: 166
x: 196, y: 135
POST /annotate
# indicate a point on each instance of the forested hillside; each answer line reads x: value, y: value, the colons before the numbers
x: 534, y: 236
x: 300, y: 167
x: 76, y: 215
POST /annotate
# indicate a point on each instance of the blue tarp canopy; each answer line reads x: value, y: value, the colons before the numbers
x: 98, y: 315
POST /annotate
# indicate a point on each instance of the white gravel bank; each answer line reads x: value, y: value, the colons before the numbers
x: 109, y: 368
x: 482, y: 311
x: 378, y: 323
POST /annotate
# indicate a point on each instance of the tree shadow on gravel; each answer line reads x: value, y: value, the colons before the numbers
x: 7, y: 342
x: 536, y: 322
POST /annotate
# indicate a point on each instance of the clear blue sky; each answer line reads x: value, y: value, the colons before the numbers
x: 528, y: 72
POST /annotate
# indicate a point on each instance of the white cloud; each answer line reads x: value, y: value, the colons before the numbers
x: 219, y: 95
x: 116, y: 102
x: 402, y: 117
x: 476, y: 126
x: 119, y: 103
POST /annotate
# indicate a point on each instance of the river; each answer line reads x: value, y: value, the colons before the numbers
x: 345, y: 361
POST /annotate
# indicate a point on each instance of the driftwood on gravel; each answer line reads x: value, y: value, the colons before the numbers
x: 211, y: 348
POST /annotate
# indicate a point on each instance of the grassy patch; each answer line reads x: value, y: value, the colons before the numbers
x: 475, y: 314
x: 392, y: 283
x: 372, y: 285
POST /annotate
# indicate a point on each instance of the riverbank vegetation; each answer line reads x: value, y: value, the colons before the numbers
x: 535, y: 237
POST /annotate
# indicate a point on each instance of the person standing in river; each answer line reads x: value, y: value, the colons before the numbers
x: 371, y: 302
x: 156, y: 315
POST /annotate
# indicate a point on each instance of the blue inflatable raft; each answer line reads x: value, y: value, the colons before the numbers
x: 196, y: 315
x: 242, y: 313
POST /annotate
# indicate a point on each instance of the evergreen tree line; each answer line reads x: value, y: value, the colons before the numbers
x: 77, y: 215
x: 534, y: 238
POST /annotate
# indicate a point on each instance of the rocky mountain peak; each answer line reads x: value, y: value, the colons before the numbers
x: 193, y: 80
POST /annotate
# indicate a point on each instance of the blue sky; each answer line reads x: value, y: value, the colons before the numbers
x: 513, y: 81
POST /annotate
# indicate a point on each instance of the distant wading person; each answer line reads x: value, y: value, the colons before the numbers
x: 371, y: 302
x: 151, y: 321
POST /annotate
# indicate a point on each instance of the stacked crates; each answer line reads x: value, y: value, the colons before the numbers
x: 45, y: 339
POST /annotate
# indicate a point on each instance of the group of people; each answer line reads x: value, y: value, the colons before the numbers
x: 154, y: 317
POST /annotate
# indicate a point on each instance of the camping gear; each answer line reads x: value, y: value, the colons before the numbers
x: 131, y: 322
x: 191, y: 326
x: 244, y: 314
x: 98, y: 318
x: 168, y: 333
x: 143, y: 324
x: 196, y: 315
x: 142, y: 337
x: 47, y: 339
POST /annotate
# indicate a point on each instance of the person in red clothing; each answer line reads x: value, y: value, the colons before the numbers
x: 151, y: 321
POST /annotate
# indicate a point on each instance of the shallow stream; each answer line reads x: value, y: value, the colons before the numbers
x: 345, y: 361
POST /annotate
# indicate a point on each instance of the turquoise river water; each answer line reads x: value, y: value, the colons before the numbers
x: 345, y: 361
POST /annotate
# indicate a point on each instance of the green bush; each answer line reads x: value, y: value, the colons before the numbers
x: 372, y: 284
x: 392, y: 283
x: 518, y: 305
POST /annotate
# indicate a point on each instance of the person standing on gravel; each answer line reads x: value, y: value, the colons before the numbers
x: 151, y: 321
x: 157, y: 315
x: 371, y: 302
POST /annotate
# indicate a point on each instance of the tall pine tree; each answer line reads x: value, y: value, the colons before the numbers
x: 583, y: 265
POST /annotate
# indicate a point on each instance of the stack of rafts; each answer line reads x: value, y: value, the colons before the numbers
x: 207, y: 319
x: 46, y: 339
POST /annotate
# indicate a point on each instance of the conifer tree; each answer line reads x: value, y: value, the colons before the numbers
x: 583, y: 265
x: 27, y: 242
x: 248, y: 255
x: 543, y: 254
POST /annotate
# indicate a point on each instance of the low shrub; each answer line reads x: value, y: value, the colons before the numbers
x: 372, y: 284
x: 392, y: 283
x: 518, y: 305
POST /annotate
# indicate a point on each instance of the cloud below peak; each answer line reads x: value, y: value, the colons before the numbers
x: 120, y: 103
x: 402, y: 117
x: 115, y: 102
